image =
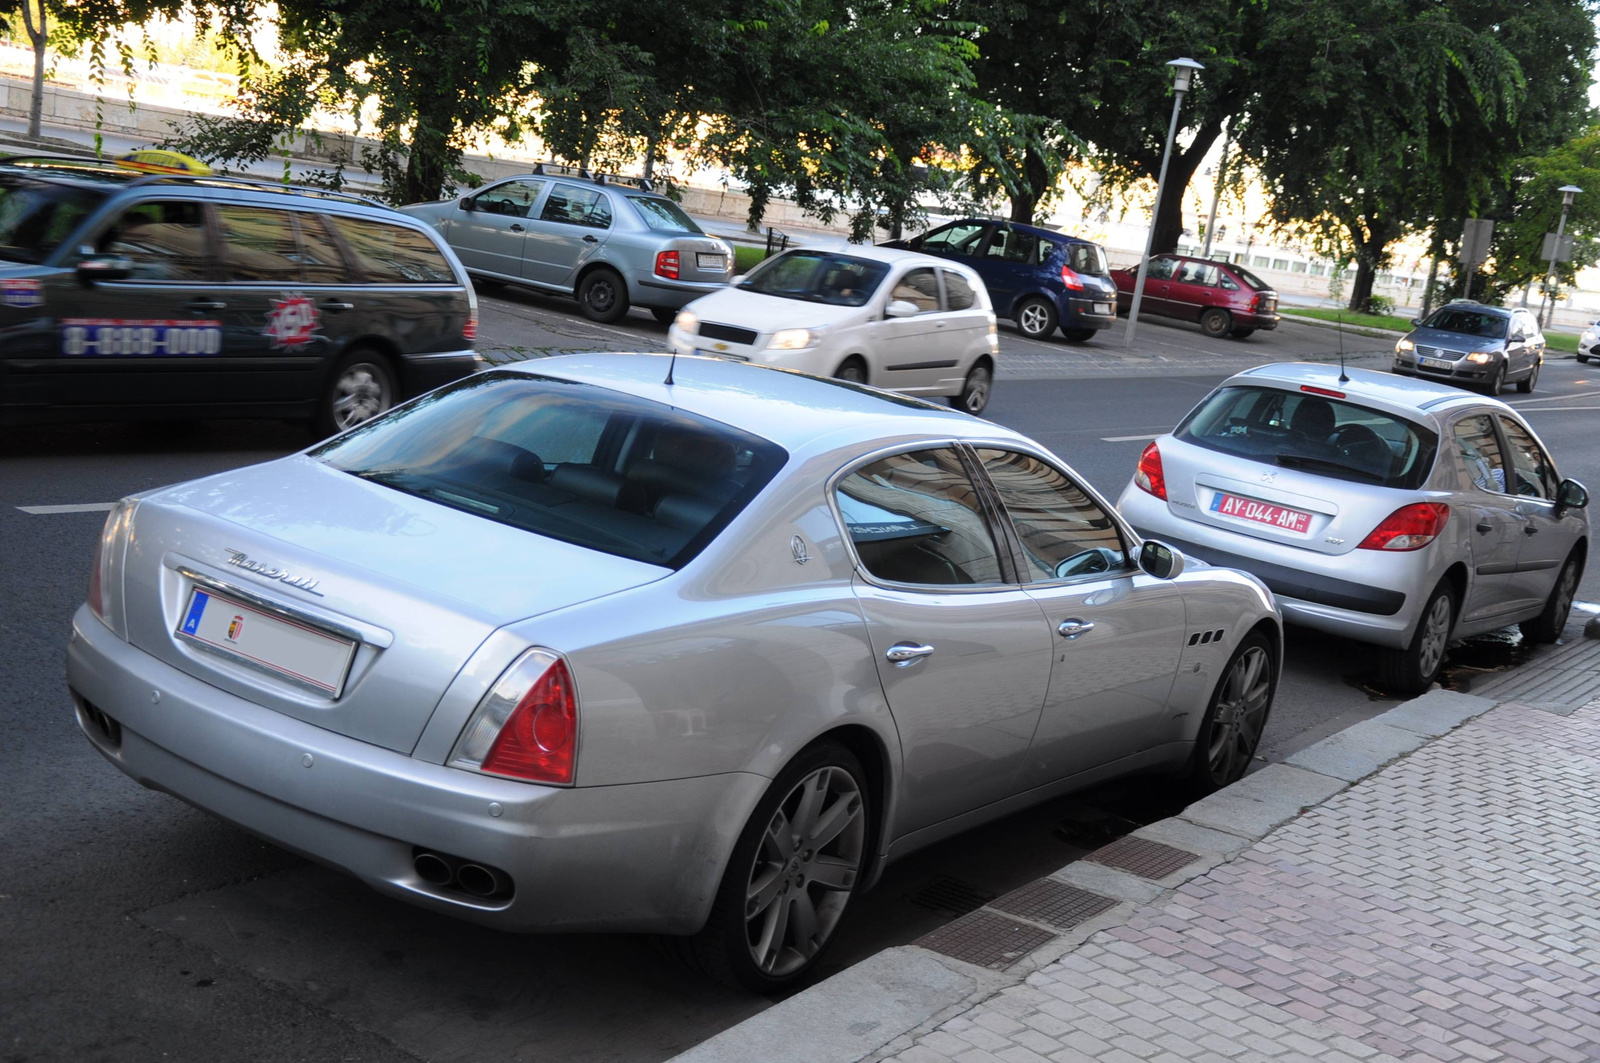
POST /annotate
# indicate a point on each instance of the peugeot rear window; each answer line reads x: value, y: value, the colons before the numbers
x: 37, y: 216
x: 1318, y: 434
x: 573, y: 461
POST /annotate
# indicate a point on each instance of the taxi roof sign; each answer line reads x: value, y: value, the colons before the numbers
x: 159, y: 160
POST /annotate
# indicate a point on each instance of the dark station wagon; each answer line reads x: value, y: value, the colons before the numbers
x: 128, y: 295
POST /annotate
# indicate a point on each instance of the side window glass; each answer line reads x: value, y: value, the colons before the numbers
x: 1479, y: 448
x: 394, y: 254
x: 514, y: 198
x: 915, y: 518
x: 957, y: 292
x: 1198, y: 273
x: 258, y: 245
x: 955, y: 239
x: 1063, y: 532
x: 321, y: 260
x: 920, y: 286
x: 573, y: 205
x: 166, y: 240
x: 1161, y: 269
x: 1012, y: 246
x: 1532, y: 475
x: 1227, y: 283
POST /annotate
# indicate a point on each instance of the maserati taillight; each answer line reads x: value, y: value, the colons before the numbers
x: 105, y: 571
x: 526, y: 727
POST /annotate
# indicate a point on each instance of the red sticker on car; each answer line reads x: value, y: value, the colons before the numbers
x: 1261, y: 512
x: 292, y: 321
x: 24, y: 293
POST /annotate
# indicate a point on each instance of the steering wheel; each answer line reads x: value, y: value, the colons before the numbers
x: 1352, y: 439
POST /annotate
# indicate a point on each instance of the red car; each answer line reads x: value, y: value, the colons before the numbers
x: 1225, y: 299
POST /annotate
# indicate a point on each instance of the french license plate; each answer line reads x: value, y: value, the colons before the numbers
x: 711, y: 262
x: 1102, y: 308
x: 304, y: 654
x: 1435, y: 363
x: 1261, y: 512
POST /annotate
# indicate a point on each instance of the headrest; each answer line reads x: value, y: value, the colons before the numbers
x: 495, y: 455
x: 597, y: 485
x: 694, y: 452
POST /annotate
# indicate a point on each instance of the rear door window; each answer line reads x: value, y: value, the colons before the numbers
x: 1202, y: 273
x: 258, y: 245
x: 322, y: 261
x: 165, y: 239
x: 957, y: 292
x: 1479, y: 448
x: 1011, y: 245
x: 920, y: 286
x: 576, y: 205
x: 915, y: 518
x: 394, y: 254
x: 1316, y: 433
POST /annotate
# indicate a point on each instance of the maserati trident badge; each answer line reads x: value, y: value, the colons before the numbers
x: 797, y: 547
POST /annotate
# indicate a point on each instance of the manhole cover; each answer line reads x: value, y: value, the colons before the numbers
x: 986, y: 939
x: 1055, y: 903
x: 1142, y: 857
x: 950, y: 896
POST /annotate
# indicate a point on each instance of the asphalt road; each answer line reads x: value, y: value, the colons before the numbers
x: 134, y: 928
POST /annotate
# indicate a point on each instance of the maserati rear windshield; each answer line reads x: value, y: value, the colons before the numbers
x: 1316, y: 433
x: 573, y: 461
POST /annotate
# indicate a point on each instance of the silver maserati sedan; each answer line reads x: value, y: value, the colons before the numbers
x: 605, y: 643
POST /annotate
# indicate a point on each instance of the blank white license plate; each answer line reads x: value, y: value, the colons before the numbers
x: 716, y: 262
x: 1102, y: 308
x: 308, y: 656
x: 1435, y: 363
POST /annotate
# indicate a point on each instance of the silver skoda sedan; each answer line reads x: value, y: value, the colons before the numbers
x: 568, y: 647
x: 1401, y: 513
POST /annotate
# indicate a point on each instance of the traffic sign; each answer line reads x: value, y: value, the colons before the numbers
x: 1475, y: 241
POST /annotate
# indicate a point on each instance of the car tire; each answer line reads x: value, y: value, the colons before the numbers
x: 1496, y: 382
x: 486, y: 284
x: 1241, y: 333
x: 975, y: 390
x: 1235, y: 719
x: 1526, y: 387
x: 1216, y: 322
x: 799, y: 884
x: 1079, y: 335
x: 1035, y: 318
x: 602, y: 296
x: 1548, y: 625
x: 1583, y: 359
x: 663, y: 314
x: 1411, y: 671
x: 361, y: 386
x: 853, y: 369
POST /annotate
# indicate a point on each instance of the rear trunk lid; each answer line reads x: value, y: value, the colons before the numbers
x: 418, y: 585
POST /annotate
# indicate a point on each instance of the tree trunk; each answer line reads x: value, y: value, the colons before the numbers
x: 38, y: 36
x: 1180, y: 171
x: 1361, y: 288
x: 1372, y: 244
x: 428, y: 162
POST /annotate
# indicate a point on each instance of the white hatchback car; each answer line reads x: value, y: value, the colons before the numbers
x: 872, y: 315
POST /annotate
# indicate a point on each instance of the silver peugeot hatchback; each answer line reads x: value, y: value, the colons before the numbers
x: 1396, y: 512
x: 576, y: 647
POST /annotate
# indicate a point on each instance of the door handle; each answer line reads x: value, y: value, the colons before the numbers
x: 590, y: 238
x: 1530, y: 529
x: 1484, y: 527
x: 1072, y: 628
x: 207, y: 304
x: 904, y: 653
x: 336, y: 307
x: 516, y: 227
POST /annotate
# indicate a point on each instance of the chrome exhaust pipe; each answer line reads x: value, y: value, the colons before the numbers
x: 481, y: 881
x: 433, y: 869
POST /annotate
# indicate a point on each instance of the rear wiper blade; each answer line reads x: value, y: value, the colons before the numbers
x: 1295, y: 461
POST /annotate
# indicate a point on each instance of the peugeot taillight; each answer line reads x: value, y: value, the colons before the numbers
x: 667, y: 265
x: 526, y: 727
x: 1409, y: 527
x: 1149, y: 475
x: 1070, y: 278
x: 105, y: 571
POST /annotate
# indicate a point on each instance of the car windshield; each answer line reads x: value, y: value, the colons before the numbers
x: 1250, y: 278
x: 1319, y: 434
x: 1088, y: 258
x: 1468, y: 322
x: 663, y: 215
x: 818, y: 277
x: 572, y: 461
x: 36, y: 216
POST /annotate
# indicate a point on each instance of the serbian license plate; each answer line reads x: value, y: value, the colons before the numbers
x: 1435, y: 363
x: 1261, y: 512
x: 1102, y: 308
x: 90, y: 336
x: 298, y: 652
x: 711, y: 262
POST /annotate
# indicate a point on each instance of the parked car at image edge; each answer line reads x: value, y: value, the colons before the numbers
x: 1402, y: 513
x: 1039, y: 278
x: 612, y: 242
x: 1588, y: 341
x: 568, y: 648
x: 127, y: 295
x: 1474, y: 345
x: 1226, y: 299
x: 870, y: 315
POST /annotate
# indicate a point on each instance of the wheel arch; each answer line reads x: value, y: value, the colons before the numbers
x: 873, y: 753
x: 380, y: 345
x: 595, y: 264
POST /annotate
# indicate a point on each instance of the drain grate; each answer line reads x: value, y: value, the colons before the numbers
x: 1055, y: 903
x: 950, y: 896
x: 1142, y: 857
x: 986, y: 939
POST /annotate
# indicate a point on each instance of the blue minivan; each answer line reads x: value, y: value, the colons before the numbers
x: 1040, y: 278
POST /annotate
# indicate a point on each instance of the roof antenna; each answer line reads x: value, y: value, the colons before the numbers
x: 670, y: 366
x: 1344, y: 378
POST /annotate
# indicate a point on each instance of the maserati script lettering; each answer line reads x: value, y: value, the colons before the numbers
x: 300, y: 583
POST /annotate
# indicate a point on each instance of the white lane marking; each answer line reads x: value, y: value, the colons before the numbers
x: 85, y: 507
x: 1129, y: 439
x: 1558, y: 409
x: 1550, y: 398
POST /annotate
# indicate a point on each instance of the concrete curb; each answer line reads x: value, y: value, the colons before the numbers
x: 1353, y: 330
x: 879, y: 1006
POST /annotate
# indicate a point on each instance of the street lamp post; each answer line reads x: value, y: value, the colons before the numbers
x: 1216, y: 196
x: 1182, y: 72
x: 1567, y: 192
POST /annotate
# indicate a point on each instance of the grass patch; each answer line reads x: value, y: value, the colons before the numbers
x: 745, y: 258
x: 1562, y: 341
x: 1384, y: 321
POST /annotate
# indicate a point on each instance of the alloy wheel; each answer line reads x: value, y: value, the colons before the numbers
x: 1435, y: 636
x: 1034, y: 319
x: 1566, y: 591
x: 1240, y: 716
x: 360, y: 394
x: 975, y: 396
x: 804, y: 870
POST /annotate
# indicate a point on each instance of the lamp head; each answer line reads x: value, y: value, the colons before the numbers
x: 1183, y: 73
x: 1567, y: 192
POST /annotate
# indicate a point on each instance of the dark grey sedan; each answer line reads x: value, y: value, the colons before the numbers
x: 1474, y: 345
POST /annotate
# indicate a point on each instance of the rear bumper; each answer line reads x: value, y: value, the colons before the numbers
x: 647, y: 289
x: 644, y: 858
x: 1078, y: 311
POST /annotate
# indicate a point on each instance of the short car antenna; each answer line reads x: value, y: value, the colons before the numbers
x: 670, y: 366
x: 1344, y: 378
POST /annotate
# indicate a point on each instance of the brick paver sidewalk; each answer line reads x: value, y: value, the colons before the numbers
x: 1445, y: 908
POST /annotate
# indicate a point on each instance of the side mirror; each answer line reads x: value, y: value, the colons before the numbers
x: 1571, y: 495
x: 96, y: 268
x: 1519, y: 337
x: 1416, y: 322
x: 469, y: 204
x: 901, y: 308
x: 1160, y: 560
